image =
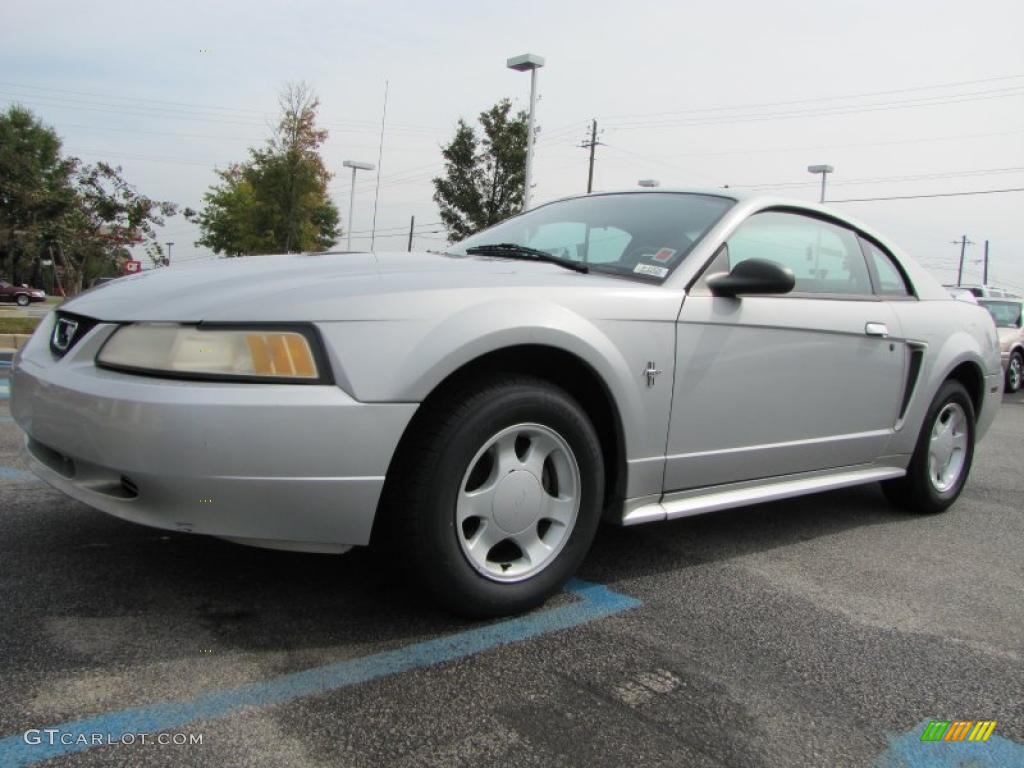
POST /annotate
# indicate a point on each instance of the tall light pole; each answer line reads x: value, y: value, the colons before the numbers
x: 355, y: 165
x: 528, y: 62
x: 824, y: 170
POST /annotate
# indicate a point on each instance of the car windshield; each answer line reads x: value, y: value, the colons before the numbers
x: 642, y: 235
x: 1005, y: 313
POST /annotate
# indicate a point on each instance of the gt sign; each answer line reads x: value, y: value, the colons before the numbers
x: 131, y: 267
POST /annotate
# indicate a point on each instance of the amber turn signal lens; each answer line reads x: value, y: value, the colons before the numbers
x: 281, y: 354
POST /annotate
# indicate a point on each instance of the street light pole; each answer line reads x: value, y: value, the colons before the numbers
x: 355, y: 165
x: 824, y: 170
x: 528, y: 62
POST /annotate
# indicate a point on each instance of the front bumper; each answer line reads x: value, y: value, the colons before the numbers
x: 284, y: 466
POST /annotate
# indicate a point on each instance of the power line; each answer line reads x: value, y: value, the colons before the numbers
x: 144, y: 111
x: 936, y: 194
x: 826, y: 147
x: 823, y: 112
x: 825, y: 98
x: 886, y: 179
x: 143, y: 103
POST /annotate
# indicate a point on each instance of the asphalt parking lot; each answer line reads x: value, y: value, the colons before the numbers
x: 823, y: 631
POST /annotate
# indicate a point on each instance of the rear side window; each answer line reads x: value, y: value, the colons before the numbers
x: 825, y: 258
x: 890, y: 280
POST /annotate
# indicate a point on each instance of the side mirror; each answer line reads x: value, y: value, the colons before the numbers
x: 753, y: 276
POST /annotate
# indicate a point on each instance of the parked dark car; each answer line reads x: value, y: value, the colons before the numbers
x: 21, y: 295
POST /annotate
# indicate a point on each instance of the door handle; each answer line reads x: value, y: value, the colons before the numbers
x: 876, y: 329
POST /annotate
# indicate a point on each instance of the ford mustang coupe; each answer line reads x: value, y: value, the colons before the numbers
x: 640, y: 356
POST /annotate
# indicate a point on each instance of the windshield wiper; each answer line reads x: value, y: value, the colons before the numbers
x: 513, y: 251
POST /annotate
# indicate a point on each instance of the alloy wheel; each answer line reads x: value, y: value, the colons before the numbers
x: 947, y: 448
x: 518, y: 502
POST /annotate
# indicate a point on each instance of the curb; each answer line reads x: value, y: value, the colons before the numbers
x: 12, y: 342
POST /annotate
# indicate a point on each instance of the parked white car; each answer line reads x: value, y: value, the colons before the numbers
x: 1007, y: 316
x: 644, y: 355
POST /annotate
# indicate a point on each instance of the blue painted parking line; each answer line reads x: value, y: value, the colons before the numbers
x: 594, y: 602
x: 17, y: 475
x: 908, y: 751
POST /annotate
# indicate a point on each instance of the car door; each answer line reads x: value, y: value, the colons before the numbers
x: 784, y: 384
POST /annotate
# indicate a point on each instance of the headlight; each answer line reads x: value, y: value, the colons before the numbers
x: 271, y: 353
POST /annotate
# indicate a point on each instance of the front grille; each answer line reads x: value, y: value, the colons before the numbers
x: 68, y: 330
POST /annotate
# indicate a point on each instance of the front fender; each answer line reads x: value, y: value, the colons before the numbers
x: 405, y: 360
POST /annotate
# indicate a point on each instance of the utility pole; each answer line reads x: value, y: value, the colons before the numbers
x: 984, y: 279
x: 412, y: 225
x: 963, y: 242
x: 167, y: 262
x: 593, y: 142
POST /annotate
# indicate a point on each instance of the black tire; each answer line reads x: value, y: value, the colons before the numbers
x: 915, y: 491
x: 1016, y: 359
x: 22, y: 300
x: 422, y: 491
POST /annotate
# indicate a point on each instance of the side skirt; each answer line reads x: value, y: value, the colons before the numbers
x: 701, y: 500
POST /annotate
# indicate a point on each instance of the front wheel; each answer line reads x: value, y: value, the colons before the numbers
x: 500, y: 496
x: 22, y: 300
x: 1015, y: 371
x: 942, y: 458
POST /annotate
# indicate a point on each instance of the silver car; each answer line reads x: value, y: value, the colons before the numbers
x: 640, y: 356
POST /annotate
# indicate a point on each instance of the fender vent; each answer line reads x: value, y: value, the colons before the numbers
x: 913, y: 374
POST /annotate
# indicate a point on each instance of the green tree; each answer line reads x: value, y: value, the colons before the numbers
x: 35, y: 189
x: 108, y: 217
x: 84, y: 218
x: 277, y: 201
x: 484, y: 176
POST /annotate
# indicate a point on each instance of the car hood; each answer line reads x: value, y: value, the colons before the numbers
x: 321, y: 287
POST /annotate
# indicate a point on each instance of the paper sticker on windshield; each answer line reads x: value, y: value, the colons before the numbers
x: 650, y: 269
x: 665, y: 254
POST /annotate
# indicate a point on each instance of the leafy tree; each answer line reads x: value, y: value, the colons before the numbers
x: 277, y: 201
x: 35, y: 188
x: 484, y: 176
x: 82, y: 217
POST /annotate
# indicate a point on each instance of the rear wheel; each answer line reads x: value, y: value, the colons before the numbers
x: 22, y: 300
x: 499, y: 496
x: 1015, y: 371
x: 942, y: 458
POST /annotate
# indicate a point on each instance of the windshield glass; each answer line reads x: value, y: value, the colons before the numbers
x: 1005, y: 313
x: 642, y: 235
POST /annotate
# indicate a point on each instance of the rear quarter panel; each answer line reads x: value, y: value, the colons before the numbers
x: 954, y: 332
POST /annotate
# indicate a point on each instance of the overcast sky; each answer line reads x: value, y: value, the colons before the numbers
x: 905, y: 97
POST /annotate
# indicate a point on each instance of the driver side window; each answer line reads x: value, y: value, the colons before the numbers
x: 824, y: 258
